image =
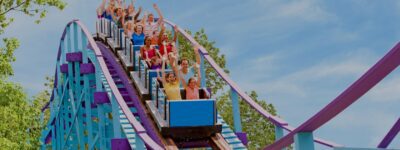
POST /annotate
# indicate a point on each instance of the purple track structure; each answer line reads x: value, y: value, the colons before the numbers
x: 372, y: 77
x: 151, y: 130
x: 390, y: 135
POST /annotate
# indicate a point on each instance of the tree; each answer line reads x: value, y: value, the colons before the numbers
x: 43, y: 97
x: 7, y: 56
x: 260, y: 131
x: 19, y: 120
x: 27, y: 7
x: 20, y: 125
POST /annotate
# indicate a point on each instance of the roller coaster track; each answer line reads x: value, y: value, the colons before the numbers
x: 92, y: 68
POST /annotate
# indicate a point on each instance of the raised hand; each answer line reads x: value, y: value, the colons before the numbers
x: 196, y: 48
x: 164, y: 58
x: 176, y: 28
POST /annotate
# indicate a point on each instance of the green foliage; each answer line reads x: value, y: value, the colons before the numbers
x: 28, y: 7
x: 43, y: 97
x: 19, y: 120
x: 10, y: 92
x: 6, y: 57
x: 20, y: 125
x: 186, y: 51
x: 260, y: 131
x: 7, y: 144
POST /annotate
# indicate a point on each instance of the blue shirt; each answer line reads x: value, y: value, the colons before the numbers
x: 107, y: 16
x: 138, y: 39
x: 188, y: 75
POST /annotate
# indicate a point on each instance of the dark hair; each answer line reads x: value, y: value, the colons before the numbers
x: 169, y: 74
x: 145, y: 39
x: 116, y: 9
x: 190, y: 79
x: 184, y: 59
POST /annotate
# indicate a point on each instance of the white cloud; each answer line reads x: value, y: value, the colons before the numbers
x: 369, y: 122
x: 265, y: 60
x: 305, y: 10
x: 300, y: 85
x: 293, y: 89
x: 386, y: 91
x: 308, y: 10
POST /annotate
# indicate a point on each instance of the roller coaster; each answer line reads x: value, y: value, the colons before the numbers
x: 106, y: 97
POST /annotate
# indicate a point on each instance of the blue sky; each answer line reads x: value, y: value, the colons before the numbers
x: 298, y: 55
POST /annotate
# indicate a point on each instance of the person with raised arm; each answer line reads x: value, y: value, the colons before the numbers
x: 130, y: 11
x: 154, y: 38
x: 187, y: 72
x: 131, y: 14
x: 147, y: 52
x: 135, y: 18
x: 193, y: 84
x: 165, y: 45
x: 150, y: 25
x: 119, y: 16
x: 170, y: 81
x: 129, y: 29
x: 101, y: 9
x: 155, y: 63
x: 103, y: 12
x: 138, y: 37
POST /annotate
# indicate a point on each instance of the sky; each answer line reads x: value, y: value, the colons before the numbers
x: 298, y: 55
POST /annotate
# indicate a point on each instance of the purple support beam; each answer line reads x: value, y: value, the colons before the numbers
x: 274, y: 119
x: 100, y: 98
x: 51, y: 97
x: 48, y: 138
x: 87, y: 68
x: 243, y: 137
x: 64, y: 68
x: 120, y: 144
x: 390, y: 135
x: 74, y: 56
x: 147, y: 123
x: 372, y: 77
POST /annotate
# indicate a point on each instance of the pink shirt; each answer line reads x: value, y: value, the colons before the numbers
x: 192, y: 93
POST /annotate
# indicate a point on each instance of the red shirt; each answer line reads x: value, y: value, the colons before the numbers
x: 150, y: 53
x: 169, y: 48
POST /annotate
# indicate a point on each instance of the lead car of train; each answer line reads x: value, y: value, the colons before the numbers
x: 181, y: 120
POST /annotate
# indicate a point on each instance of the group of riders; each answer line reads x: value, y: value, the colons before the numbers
x: 156, y: 48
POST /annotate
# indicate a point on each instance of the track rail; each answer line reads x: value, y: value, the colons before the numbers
x: 218, y: 142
